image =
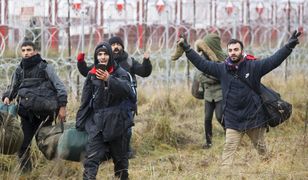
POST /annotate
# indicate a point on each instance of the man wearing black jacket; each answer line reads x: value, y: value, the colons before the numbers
x: 128, y: 63
x: 241, y: 105
x: 31, y: 68
x: 107, y: 91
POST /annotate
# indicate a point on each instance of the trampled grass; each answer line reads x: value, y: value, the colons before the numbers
x: 168, y: 136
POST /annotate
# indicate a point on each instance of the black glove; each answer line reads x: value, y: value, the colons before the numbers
x: 184, y: 44
x: 293, y: 41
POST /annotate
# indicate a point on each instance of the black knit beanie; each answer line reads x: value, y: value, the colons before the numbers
x: 116, y: 39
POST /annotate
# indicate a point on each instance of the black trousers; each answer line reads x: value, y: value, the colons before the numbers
x: 30, y: 124
x: 130, y: 133
x: 209, y: 108
x: 97, y: 151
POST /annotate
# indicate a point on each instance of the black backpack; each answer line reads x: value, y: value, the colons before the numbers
x: 133, y: 97
x: 38, y: 94
x: 277, y: 109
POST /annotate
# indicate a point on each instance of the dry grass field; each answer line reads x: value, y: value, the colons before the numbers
x: 168, y: 137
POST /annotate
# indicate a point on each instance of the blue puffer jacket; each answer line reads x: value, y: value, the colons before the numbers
x: 241, y: 109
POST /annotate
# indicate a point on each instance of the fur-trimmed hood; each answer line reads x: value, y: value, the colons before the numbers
x: 210, y: 46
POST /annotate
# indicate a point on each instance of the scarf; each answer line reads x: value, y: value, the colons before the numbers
x: 27, y: 63
x: 231, y: 66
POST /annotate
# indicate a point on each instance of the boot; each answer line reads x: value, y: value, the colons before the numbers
x: 207, y: 146
x: 123, y: 175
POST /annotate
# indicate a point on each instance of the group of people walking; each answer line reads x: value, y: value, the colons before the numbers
x: 109, y: 90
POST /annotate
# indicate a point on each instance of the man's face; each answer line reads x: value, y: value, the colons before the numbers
x: 235, y: 52
x: 27, y: 52
x: 102, y: 57
x: 116, y: 48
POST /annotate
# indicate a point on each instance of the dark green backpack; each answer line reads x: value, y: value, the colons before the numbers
x: 197, y: 89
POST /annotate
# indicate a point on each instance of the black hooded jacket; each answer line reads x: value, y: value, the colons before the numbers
x: 104, y: 97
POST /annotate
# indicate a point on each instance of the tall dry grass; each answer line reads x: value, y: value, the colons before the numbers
x: 168, y: 137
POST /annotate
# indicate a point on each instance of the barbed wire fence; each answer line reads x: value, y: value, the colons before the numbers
x: 261, y: 38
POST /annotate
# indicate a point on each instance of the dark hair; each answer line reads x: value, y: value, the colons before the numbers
x: 235, y: 41
x: 28, y: 43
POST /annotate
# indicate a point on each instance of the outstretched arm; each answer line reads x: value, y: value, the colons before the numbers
x: 204, y: 65
x: 270, y: 63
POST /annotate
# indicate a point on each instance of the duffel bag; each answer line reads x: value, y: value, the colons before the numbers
x: 48, y: 137
x: 72, y: 145
x: 11, y: 135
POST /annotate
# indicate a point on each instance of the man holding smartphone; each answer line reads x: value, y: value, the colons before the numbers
x: 106, y: 90
x: 128, y: 63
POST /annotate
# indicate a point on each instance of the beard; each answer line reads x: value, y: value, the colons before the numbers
x: 236, y: 59
x: 117, y: 53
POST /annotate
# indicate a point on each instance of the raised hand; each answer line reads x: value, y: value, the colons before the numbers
x: 293, y: 41
x: 80, y: 57
x: 146, y: 56
x: 183, y: 43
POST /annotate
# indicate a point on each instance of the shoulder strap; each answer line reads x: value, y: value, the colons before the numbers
x: 131, y: 83
x: 130, y: 61
x: 43, y: 66
x: 43, y: 63
x: 19, y: 74
x: 244, y: 81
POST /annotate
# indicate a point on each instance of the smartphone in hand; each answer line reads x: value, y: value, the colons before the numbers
x: 101, y: 67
